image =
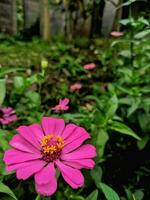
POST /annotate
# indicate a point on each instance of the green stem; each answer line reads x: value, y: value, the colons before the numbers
x: 131, y: 37
x: 38, y: 197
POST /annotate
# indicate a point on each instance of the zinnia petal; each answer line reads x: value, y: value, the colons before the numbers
x: 69, y: 129
x: 12, y: 118
x: 72, y: 176
x: 38, y: 163
x: 18, y: 142
x: 64, y: 101
x: 53, y: 125
x: 79, y: 164
x: 7, y: 110
x: 83, y: 152
x: 29, y: 169
x: 46, y: 174
x: 47, y: 189
x: 27, y: 134
x: 78, y: 136
x: 45, y: 180
x: 13, y: 156
x: 37, y: 131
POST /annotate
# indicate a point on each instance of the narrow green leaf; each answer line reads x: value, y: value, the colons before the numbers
x: 102, y: 138
x: 134, y: 106
x: 128, y: 2
x: 93, y: 195
x: 109, y: 193
x: 2, y: 90
x: 7, y: 70
x: 96, y: 174
x: 111, y: 107
x: 5, y: 189
x: 142, y: 34
x: 124, y: 129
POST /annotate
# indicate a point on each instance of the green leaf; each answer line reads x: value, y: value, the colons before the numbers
x: 101, y: 140
x: 93, y: 195
x: 4, y: 139
x: 96, y: 174
x: 143, y: 142
x: 109, y: 193
x: 125, y: 53
x: 5, y: 189
x: 7, y: 70
x: 111, y: 107
x: 34, y: 98
x: 142, y: 34
x: 124, y: 129
x: 19, y: 84
x: 135, y: 104
x: 2, y: 90
x: 125, y: 22
x: 128, y: 2
x: 139, y: 195
x: 144, y: 121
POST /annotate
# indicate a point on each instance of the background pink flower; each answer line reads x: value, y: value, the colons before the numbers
x: 7, y: 115
x: 116, y: 33
x: 89, y: 66
x: 75, y: 86
x: 38, y: 149
x: 63, y: 105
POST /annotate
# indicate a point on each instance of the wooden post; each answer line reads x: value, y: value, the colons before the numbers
x: 8, y: 22
x: 45, y: 20
x: 31, y: 12
x: 109, y: 15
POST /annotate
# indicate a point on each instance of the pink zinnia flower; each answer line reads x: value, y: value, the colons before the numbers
x: 89, y: 66
x: 7, y: 115
x: 75, y: 86
x: 39, y: 149
x: 63, y: 105
x: 116, y: 33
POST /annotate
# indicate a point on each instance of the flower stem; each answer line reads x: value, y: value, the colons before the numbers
x: 38, y: 197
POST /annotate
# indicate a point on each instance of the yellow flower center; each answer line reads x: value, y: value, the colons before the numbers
x: 51, y: 146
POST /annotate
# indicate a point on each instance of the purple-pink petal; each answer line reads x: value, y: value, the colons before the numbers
x: 47, y: 189
x: 7, y: 115
x: 29, y: 169
x: 4, y: 121
x: 83, y: 152
x: 46, y: 174
x: 10, y: 168
x: 28, y: 135
x: 12, y: 118
x: 7, y: 110
x: 64, y: 101
x: 74, y: 140
x: 19, y: 143
x: 79, y: 164
x: 45, y: 180
x: 37, y: 131
x: 13, y: 156
x: 53, y: 125
x: 69, y: 130
x: 72, y: 176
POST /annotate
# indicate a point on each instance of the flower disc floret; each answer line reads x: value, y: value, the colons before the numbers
x: 51, y: 147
